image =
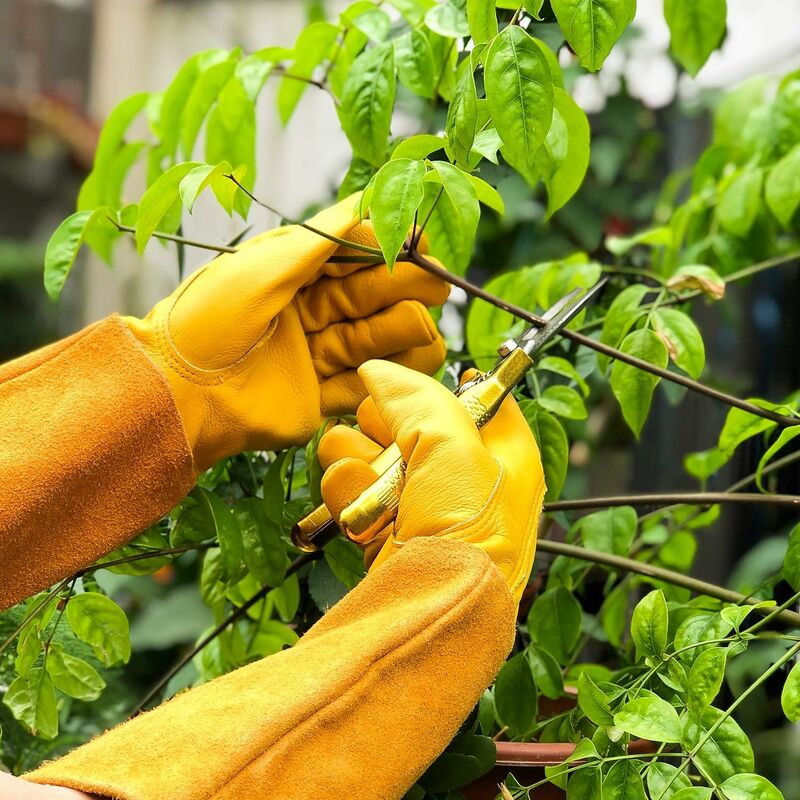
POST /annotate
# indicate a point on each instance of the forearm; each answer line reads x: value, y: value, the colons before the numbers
x: 12, y: 788
x: 91, y: 452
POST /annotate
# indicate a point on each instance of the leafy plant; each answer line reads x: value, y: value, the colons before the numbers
x: 486, y: 83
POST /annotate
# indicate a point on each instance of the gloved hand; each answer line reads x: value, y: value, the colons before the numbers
x: 483, y: 487
x: 261, y: 344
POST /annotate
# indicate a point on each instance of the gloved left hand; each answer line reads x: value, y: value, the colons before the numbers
x: 262, y: 344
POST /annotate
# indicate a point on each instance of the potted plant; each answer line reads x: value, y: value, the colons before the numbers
x: 621, y: 655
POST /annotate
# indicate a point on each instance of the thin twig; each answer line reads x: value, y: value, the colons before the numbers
x: 476, y: 291
x: 218, y: 248
x: 666, y: 499
x: 791, y: 618
x: 282, y: 71
x: 236, y: 614
x: 329, y: 236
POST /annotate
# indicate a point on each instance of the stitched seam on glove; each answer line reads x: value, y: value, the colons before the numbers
x: 347, y: 698
x: 197, y: 375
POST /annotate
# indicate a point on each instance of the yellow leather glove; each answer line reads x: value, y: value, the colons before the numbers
x: 483, y: 487
x: 260, y: 345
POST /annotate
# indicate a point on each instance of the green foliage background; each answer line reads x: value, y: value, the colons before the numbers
x: 502, y: 155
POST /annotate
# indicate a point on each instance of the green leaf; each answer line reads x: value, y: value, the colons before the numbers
x: 609, y: 531
x: 367, y: 101
x: 453, y: 212
x: 650, y: 625
x: 564, y: 175
x: 519, y: 91
x: 486, y: 145
x: 726, y: 753
x: 467, y: 757
x: 705, y: 679
x: 790, y: 696
x: 373, y: 22
x: 263, y: 548
x: 740, y: 202
x: 633, y: 387
x: 623, y: 782
x: 286, y: 598
x: 311, y: 47
x: 782, y: 188
x: 324, y: 587
x: 696, y: 29
x: 226, y: 530
x: 786, y: 436
x: 204, y: 93
x: 462, y: 117
x: 346, y: 561
x: 546, y: 672
x: 206, y: 175
x: 414, y: 59
x: 396, y: 196
x: 736, y: 615
x: 742, y: 425
x: 63, y: 246
x: 74, y: 676
x: 620, y: 317
x: 515, y: 696
x: 585, y: 783
x: 701, y: 626
x: 705, y: 463
x: 271, y: 637
x: 560, y: 366
x: 649, y: 718
x: 448, y: 19
x: 749, y: 786
x: 614, y: 614
x: 791, y: 561
x: 487, y: 194
x: 553, y: 446
x: 101, y: 623
x: 359, y: 174
x: 593, y: 26
x: 700, y: 277
x: 158, y: 200
x: 32, y: 701
x: 682, y: 339
x: 482, y: 20
x: 563, y: 401
x: 693, y: 793
x: 593, y: 702
x: 99, y: 187
x: 419, y: 146
x: 661, y: 775
x: 554, y: 623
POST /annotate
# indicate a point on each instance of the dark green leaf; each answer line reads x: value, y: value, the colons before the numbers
x: 367, y: 102
x: 593, y: 702
x: 554, y: 622
x: 546, y: 672
x: 633, y: 387
x: 661, y: 775
x: 696, y: 29
x: 264, y: 550
x: 396, y: 196
x: 593, y: 26
x: 650, y: 625
x: 705, y: 679
x: 553, y: 446
x: 650, y: 718
x: 791, y: 561
x: 726, y: 753
x: 515, y: 695
x: 519, y: 91
x: 101, y: 623
x: 345, y: 560
x: 467, y: 758
x: 226, y: 530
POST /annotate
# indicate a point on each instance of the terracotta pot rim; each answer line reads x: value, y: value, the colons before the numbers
x: 549, y: 754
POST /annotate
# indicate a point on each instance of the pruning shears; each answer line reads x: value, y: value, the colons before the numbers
x: 376, y: 506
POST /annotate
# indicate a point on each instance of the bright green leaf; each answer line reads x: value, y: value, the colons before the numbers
x: 487, y: 194
x: 790, y: 695
x: 786, y: 436
x: 726, y: 753
x: 623, y: 781
x: 650, y: 624
x: 749, y: 786
x: 649, y: 718
x: 553, y: 446
x: 419, y: 146
x: 448, y: 19
x: 633, y: 387
x: 696, y: 29
x: 621, y: 315
x: 205, y: 175
x: 560, y: 366
x: 682, y: 339
x: 705, y: 679
x: 32, y: 701
x: 791, y: 561
x: 157, y: 201
x: 593, y: 702
x: 563, y: 401
x: 740, y: 203
x: 74, y: 676
x: 396, y: 196
x: 661, y: 775
x: 782, y: 188
x: 482, y: 20
x: 519, y: 91
x: 414, y: 59
x: 609, y: 531
x: 462, y: 118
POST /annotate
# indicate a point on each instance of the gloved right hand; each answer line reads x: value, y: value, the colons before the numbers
x: 483, y: 487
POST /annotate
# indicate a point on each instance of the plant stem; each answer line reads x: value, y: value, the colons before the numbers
x: 33, y: 612
x: 784, y: 659
x: 278, y: 70
x: 236, y: 614
x: 169, y: 551
x: 218, y: 248
x: 476, y: 291
x: 659, y: 573
x: 683, y: 498
x: 329, y: 236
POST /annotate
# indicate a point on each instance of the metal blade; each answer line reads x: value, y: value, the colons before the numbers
x: 564, y: 313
